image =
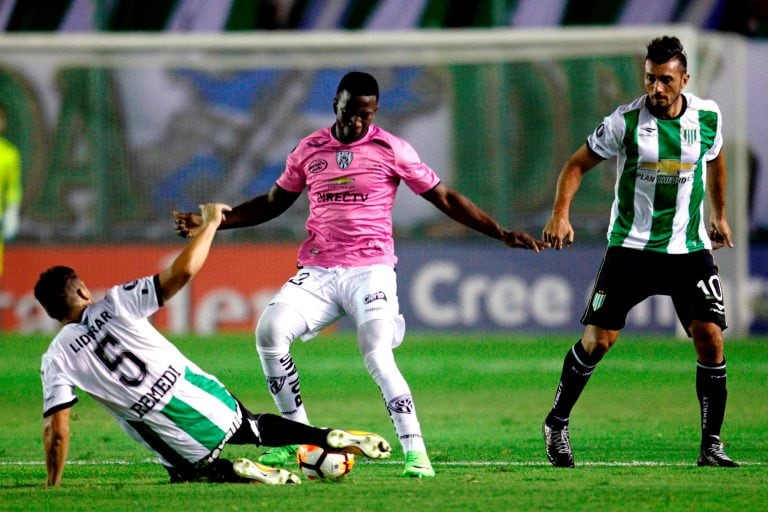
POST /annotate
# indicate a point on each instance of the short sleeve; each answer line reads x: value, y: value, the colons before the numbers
x: 416, y: 174
x: 58, y: 393
x: 293, y: 178
x: 137, y: 299
x: 717, y: 145
x: 607, y: 138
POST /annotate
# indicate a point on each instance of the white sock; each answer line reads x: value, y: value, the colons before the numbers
x: 397, y: 397
x: 276, y: 330
x: 283, y: 382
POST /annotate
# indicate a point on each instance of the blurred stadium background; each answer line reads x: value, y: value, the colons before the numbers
x: 125, y: 111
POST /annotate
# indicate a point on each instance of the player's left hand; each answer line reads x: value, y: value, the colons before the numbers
x: 522, y: 240
x: 720, y: 234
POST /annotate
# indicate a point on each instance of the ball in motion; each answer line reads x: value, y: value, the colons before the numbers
x: 317, y: 463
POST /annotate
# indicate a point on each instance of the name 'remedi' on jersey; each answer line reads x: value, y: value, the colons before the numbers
x: 661, y: 174
x: 114, y: 354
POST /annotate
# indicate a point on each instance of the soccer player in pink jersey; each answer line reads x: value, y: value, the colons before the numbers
x: 346, y: 265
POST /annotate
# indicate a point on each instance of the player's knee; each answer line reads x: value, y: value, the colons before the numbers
x: 375, y: 335
x: 708, y: 340
x: 379, y: 363
x: 273, y: 330
x: 597, y: 342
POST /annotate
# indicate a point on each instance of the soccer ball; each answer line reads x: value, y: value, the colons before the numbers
x: 317, y: 463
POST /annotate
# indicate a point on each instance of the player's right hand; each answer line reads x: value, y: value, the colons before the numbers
x: 522, y: 240
x: 558, y: 233
x: 188, y: 225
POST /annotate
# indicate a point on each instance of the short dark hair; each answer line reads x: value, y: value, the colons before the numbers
x: 663, y: 49
x: 54, y: 289
x: 358, y: 83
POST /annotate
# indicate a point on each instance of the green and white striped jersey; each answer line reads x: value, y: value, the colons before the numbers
x: 158, y: 396
x: 661, y: 174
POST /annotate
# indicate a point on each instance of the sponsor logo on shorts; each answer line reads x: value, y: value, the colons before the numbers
x: 402, y: 404
x: 717, y: 309
x: 372, y: 297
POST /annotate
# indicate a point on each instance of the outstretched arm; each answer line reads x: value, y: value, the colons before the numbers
x: 190, y: 261
x: 462, y: 210
x: 558, y: 230
x: 255, y: 211
x: 56, y: 443
x: 720, y: 231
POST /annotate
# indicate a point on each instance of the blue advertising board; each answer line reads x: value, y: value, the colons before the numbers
x: 487, y: 287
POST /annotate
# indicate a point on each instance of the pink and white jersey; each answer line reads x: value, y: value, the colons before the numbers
x: 351, y: 190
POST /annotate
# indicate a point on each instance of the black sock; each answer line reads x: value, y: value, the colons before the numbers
x: 577, y: 368
x: 275, y: 430
x: 712, y: 394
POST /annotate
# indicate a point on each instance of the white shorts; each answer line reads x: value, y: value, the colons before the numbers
x: 323, y: 295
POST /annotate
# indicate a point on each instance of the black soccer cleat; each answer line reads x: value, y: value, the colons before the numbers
x: 558, y: 445
x: 712, y: 454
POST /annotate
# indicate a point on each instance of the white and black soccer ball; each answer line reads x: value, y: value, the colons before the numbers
x: 317, y: 463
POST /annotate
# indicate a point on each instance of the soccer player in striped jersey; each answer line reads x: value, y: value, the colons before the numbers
x: 668, y: 146
x: 184, y: 415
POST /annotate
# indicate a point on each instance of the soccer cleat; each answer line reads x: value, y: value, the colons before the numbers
x: 279, y: 455
x: 417, y: 465
x: 259, y: 473
x: 558, y: 444
x: 712, y: 454
x: 358, y: 442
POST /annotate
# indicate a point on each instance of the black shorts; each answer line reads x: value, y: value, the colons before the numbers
x: 629, y: 276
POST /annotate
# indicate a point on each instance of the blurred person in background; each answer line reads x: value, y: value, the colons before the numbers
x: 10, y: 187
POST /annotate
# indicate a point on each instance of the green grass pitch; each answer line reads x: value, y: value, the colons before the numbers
x: 481, y: 400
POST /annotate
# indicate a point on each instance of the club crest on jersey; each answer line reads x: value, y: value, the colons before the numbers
x: 344, y: 159
x: 598, y: 299
x: 691, y: 135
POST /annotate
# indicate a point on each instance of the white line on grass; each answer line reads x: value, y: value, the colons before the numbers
x: 456, y: 463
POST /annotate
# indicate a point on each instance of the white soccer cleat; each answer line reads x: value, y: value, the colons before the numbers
x: 245, y: 468
x: 358, y: 442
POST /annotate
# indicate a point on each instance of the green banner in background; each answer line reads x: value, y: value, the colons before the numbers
x: 87, y: 186
x: 516, y: 124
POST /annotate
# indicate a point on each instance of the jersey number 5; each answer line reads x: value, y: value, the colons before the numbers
x: 118, y: 362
